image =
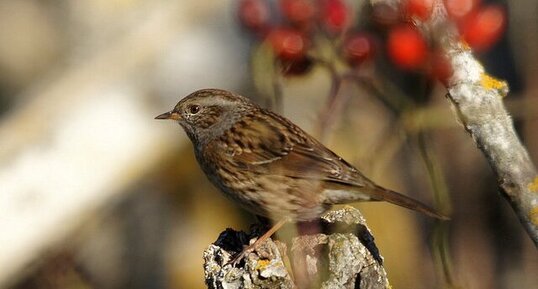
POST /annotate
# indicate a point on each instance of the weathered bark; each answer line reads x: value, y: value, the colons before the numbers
x: 477, y: 101
x: 345, y: 258
x: 482, y: 113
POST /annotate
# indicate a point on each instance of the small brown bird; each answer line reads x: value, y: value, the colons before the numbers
x: 269, y: 165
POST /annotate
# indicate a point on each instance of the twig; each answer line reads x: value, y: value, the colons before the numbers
x: 334, y: 102
x: 440, y: 237
x: 277, y: 88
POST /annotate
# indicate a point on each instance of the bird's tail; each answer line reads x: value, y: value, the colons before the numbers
x: 406, y: 202
x: 373, y: 192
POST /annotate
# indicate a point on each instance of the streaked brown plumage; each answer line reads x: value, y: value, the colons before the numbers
x: 267, y: 164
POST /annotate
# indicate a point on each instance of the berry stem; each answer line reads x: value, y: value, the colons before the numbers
x: 334, y: 101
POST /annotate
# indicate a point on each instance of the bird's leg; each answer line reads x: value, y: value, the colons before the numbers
x: 259, y: 241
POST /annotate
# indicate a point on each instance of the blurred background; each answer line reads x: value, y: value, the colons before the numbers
x: 95, y: 193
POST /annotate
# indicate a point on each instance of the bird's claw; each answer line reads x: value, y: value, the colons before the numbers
x: 238, y: 257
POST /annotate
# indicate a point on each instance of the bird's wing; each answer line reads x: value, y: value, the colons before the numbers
x: 278, y: 147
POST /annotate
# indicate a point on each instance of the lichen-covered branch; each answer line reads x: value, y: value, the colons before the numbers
x: 478, y: 101
x: 480, y: 109
x: 345, y: 258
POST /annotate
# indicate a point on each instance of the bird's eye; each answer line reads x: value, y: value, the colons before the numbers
x: 194, y: 109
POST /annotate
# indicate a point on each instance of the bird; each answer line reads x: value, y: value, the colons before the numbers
x: 270, y: 166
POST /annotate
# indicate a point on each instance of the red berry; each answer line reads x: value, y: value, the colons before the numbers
x: 298, y: 11
x: 334, y: 16
x: 418, y: 8
x: 460, y: 8
x: 358, y: 48
x: 406, y: 47
x: 484, y: 27
x: 287, y: 43
x: 254, y: 14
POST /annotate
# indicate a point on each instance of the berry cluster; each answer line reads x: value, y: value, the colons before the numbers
x: 291, y: 33
x: 480, y: 25
x: 292, y: 27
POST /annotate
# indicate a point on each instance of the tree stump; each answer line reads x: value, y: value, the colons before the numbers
x: 342, y: 255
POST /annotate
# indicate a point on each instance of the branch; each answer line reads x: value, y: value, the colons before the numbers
x: 477, y: 99
x: 346, y: 258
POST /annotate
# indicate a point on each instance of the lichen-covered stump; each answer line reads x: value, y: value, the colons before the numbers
x: 342, y: 255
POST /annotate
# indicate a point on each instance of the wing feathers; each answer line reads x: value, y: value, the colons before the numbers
x: 280, y: 147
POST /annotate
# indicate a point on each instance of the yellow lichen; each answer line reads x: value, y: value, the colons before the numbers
x: 533, y: 187
x: 489, y: 82
x: 465, y: 45
x: 534, y: 216
x: 262, y: 264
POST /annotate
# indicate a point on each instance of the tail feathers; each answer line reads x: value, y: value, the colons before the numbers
x: 344, y: 193
x: 377, y: 193
x: 382, y: 194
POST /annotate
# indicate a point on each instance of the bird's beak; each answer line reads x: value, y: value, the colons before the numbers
x: 169, y: 115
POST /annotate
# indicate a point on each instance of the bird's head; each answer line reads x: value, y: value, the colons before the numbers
x: 206, y: 113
